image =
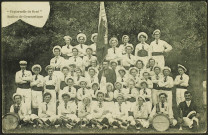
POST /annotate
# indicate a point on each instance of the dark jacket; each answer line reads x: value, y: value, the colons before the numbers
x: 109, y: 74
x: 186, y: 110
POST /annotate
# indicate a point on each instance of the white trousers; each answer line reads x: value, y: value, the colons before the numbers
x: 159, y: 60
x: 155, y: 96
x: 143, y: 122
x: 37, y: 98
x: 26, y: 96
x: 189, y: 122
x: 180, y: 95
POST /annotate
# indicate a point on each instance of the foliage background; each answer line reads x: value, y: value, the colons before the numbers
x: 183, y: 25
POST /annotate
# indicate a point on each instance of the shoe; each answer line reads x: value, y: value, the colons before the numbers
x: 105, y: 127
x: 93, y: 125
x: 99, y: 126
x: 56, y: 126
x: 34, y: 126
x: 68, y: 126
x: 125, y: 127
x: 180, y: 129
x: 115, y: 127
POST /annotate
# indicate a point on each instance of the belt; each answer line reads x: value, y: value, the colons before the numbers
x: 50, y: 87
x: 24, y: 85
x: 164, y: 88
x: 147, y: 99
x: 155, y: 86
x: 157, y: 53
x: 142, y: 53
x: 182, y: 87
x: 132, y: 99
x: 94, y: 99
x: 35, y: 88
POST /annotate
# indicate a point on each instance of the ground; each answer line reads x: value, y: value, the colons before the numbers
x: 202, y: 129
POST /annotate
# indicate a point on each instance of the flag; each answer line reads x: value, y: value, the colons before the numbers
x: 102, y: 39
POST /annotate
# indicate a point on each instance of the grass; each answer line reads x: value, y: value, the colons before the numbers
x: 77, y: 130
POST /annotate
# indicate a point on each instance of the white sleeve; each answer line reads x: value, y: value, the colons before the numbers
x: 167, y: 47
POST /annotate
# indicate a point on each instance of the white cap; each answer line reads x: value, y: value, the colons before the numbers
x: 81, y: 35
x: 142, y: 34
x: 57, y: 47
x: 36, y: 66
x: 93, y: 35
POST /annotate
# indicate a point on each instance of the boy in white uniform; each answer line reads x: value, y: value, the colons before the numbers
x: 155, y: 80
x: 84, y: 110
x: 94, y: 90
x: 140, y: 67
x: 83, y: 91
x: 120, y: 113
x: 23, y: 79
x: 150, y: 66
x: 67, y: 49
x: 47, y: 110
x: 88, y: 58
x: 128, y: 60
x: 162, y: 108
x: 69, y: 89
x: 81, y: 38
x: 122, y: 77
x: 63, y: 76
x: 158, y: 48
x: 51, y: 84
x: 181, y: 82
x: 91, y: 77
x: 101, y: 116
x: 133, y: 75
x: 146, y: 77
x: 142, y: 50
x: 114, y: 53
x: 118, y: 89
x: 140, y: 114
x: 23, y: 112
x: 94, y: 40
x: 57, y: 61
x: 76, y: 59
x: 67, y: 112
x: 37, y: 88
x: 147, y: 94
x: 125, y: 40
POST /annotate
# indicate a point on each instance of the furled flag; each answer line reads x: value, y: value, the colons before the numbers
x: 102, y: 39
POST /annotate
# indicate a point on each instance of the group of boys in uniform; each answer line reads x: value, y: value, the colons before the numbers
x: 124, y: 90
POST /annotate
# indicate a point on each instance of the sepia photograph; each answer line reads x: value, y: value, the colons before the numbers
x: 92, y: 67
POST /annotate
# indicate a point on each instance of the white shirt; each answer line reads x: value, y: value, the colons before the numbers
x: 126, y: 61
x: 87, y: 60
x: 70, y: 108
x: 122, y: 48
x: 100, y: 110
x: 160, y: 47
x: 116, y: 92
x: 57, y: 62
x: 134, y: 93
x: 114, y: 56
x: 142, y: 113
x: 166, y: 110
x: 23, y: 110
x: 43, y: 112
x: 84, y: 110
x: 147, y: 94
x: 124, y: 81
x: 184, y: 81
x: 39, y: 82
x: 76, y: 60
x: 140, y: 47
x: 168, y: 84
x: 81, y: 94
x: 54, y: 81
x: 27, y: 76
x: 67, y: 50
x: 72, y: 93
x: 91, y: 80
x: 121, y: 110
x: 82, y: 50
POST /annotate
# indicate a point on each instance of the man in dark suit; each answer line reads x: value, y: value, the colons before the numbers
x: 189, y: 113
x: 106, y: 74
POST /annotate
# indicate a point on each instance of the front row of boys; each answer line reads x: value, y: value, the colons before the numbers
x: 98, y: 113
